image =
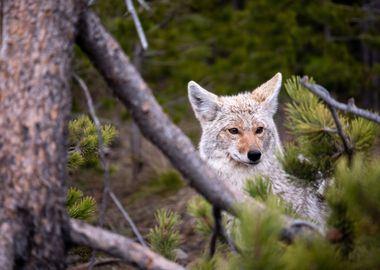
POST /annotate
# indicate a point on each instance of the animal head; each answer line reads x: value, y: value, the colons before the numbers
x: 239, y: 127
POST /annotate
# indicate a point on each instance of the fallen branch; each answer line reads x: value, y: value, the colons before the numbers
x: 323, y: 94
x: 131, y: 89
x: 119, y: 246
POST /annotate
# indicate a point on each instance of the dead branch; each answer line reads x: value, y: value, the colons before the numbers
x: 128, y: 218
x: 106, y: 181
x: 346, y: 143
x: 98, y: 262
x: 131, y: 89
x: 323, y: 94
x: 136, y: 20
x: 118, y: 246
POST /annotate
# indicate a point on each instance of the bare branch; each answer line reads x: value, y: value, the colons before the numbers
x: 144, y: 4
x: 346, y: 144
x: 128, y: 218
x: 130, y: 88
x: 118, y: 246
x: 325, y: 96
x: 136, y: 20
x: 107, y: 186
x: 219, y: 231
x: 98, y: 262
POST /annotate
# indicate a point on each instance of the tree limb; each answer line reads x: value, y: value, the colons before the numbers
x: 118, y: 246
x: 323, y: 94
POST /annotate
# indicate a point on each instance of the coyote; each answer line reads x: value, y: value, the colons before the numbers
x: 240, y: 141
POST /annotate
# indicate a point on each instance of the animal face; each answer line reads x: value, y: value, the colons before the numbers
x: 239, y: 128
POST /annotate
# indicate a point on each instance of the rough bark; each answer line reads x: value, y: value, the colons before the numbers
x: 34, y: 108
x: 119, y: 246
x: 130, y: 88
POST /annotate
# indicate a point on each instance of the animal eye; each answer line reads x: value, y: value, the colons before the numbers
x: 233, y: 130
x: 259, y: 130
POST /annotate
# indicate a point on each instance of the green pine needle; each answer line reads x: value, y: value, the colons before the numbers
x: 164, y: 237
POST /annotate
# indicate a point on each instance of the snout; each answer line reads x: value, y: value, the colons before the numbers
x: 254, y: 155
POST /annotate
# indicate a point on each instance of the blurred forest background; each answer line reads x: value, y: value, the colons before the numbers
x: 227, y: 47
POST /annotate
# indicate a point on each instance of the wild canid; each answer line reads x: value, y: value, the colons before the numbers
x: 240, y: 141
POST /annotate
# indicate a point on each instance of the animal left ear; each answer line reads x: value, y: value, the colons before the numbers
x: 267, y: 93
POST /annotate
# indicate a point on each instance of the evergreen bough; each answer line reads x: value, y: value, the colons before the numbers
x: 164, y: 238
x: 83, y: 141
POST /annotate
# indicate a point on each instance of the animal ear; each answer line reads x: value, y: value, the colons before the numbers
x: 267, y: 93
x: 204, y: 103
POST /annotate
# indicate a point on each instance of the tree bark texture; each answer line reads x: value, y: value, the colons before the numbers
x: 130, y: 88
x: 35, y: 56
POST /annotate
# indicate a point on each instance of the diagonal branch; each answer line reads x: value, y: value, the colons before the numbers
x: 131, y: 89
x: 118, y: 246
x: 325, y: 96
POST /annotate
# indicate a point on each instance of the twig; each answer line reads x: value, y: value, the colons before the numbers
x: 217, y: 214
x: 128, y: 218
x: 218, y: 231
x: 118, y: 246
x: 325, y: 96
x: 103, y: 160
x: 99, y: 262
x: 144, y: 4
x: 136, y: 20
x: 107, y: 187
x: 346, y: 144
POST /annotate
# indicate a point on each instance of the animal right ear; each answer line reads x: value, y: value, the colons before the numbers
x: 203, y: 102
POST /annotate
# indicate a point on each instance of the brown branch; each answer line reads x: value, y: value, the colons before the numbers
x: 325, y: 96
x: 329, y: 101
x: 118, y: 246
x: 346, y: 144
x: 131, y: 89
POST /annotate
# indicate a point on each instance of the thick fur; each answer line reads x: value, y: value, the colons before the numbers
x: 251, y: 113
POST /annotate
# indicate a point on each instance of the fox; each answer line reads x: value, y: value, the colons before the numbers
x: 240, y: 141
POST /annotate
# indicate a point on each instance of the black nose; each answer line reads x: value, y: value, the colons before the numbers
x: 254, y: 155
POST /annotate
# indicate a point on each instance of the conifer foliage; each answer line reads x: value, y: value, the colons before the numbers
x: 83, y: 150
x: 164, y: 237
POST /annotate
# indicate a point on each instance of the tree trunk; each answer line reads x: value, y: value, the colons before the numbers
x: 36, y: 47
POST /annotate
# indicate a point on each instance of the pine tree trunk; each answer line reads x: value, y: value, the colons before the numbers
x: 36, y: 46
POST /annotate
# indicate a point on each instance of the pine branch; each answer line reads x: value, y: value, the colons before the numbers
x: 325, y: 96
x: 118, y: 246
